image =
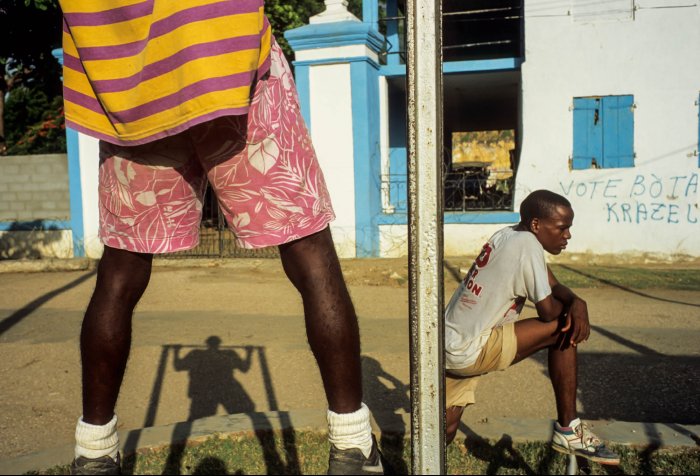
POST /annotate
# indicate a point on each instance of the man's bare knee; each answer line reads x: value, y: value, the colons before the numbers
x: 124, y: 275
x: 534, y: 335
x: 453, y: 418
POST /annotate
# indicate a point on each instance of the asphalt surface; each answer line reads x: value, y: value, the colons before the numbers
x: 640, y: 365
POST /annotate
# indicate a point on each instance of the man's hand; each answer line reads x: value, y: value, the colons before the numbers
x: 576, y: 325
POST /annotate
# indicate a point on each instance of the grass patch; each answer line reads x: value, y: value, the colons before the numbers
x: 582, y: 276
x: 307, y: 453
x: 576, y: 276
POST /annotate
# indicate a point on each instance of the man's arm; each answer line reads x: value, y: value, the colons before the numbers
x: 550, y: 308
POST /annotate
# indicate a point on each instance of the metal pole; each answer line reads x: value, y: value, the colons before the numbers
x: 425, y: 234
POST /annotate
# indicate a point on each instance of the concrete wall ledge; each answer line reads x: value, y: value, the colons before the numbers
x: 49, y: 264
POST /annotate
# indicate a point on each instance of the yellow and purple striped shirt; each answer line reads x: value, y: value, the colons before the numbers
x: 139, y: 70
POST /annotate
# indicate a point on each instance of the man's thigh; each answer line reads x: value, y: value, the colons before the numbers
x: 497, y: 354
x: 533, y: 335
x: 150, y: 196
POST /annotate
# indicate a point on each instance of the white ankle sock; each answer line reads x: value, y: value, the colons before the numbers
x: 96, y: 441
x: 351, y: 430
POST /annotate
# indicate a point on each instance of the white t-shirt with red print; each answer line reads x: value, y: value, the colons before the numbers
x: 510, y: 269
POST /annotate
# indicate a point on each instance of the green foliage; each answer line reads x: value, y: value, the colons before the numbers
x: 43, y: 136
x: 285, y: 15
x: 24, y: 107
x: 29, y: 30
x: 289, y: 14
x: 649, y: 277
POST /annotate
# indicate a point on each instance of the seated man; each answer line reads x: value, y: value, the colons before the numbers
x: 481, y: 332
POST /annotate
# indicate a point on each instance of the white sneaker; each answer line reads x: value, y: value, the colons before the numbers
x: 579, y: 440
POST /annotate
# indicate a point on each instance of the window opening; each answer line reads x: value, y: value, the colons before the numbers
x: 480, y: 173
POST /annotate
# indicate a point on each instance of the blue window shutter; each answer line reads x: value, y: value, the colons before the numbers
x: 588, y: 133
x: 618, y: 131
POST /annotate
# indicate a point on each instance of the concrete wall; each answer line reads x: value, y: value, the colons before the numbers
x: 34, y: 207
x: 653, y: 54
x: 34, y: 187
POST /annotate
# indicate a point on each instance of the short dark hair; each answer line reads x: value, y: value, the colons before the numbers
x: 540, y: 204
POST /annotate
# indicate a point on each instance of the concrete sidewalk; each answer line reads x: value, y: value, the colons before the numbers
x: 657, y: 435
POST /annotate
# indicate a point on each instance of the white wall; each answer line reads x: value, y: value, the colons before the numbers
x: 89, y: 168
x: 459, y: 240
x: 331, y: 132
x: 656, y: 57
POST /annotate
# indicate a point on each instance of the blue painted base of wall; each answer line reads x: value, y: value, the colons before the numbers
x: 35, y: 225
x: 488, y: 218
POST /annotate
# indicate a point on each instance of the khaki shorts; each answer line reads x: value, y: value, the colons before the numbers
x: 498, y: 354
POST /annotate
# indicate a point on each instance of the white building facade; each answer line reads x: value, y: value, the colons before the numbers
x: 602, y: 96
x: 649, y: 52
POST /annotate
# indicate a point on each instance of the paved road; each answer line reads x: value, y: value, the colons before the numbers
x: 641, y: 363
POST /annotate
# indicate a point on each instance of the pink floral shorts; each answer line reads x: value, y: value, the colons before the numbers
x: 261, y: 166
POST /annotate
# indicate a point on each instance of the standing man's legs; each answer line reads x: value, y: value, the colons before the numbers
x: 105, y: 340
x: 312, y: 266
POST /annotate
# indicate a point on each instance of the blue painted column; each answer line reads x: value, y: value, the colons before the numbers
x: 74, y: 183
x: 365, y: 120
x: 301, y: 78
x: 392, y: 33
x: 370, y: 12
x: 347, y: 51
x: 76, y: 193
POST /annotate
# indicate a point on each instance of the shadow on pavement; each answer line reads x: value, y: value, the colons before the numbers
x: 385, y: 392
x: 7, y: 323
x: 625, y: 288
x: 211, y: 370
x: 454, y: 271
x: 648, y: 386
x: 501, y: 454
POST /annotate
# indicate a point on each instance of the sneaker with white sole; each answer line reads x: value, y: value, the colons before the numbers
x: 579, y: 440
x: 104, y: 465
x: 353, y: 461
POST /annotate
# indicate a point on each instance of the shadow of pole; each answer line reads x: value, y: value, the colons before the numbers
x: 7, y: 323
x: 625, y: 288
x: 288, y: 438
x: 645, y: 465
x: 501, y: 454
x: 383, y: 390
x: 642, y: 349
x: 453, y: 270
x: 131, y: 444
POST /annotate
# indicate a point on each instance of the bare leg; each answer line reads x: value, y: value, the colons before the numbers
x: 534, y: 335
x: 453, y: 417
x: 312, y: 265
x: 105, y: 339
